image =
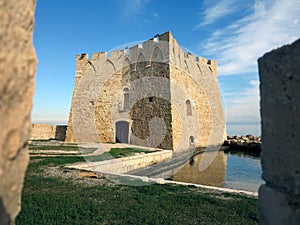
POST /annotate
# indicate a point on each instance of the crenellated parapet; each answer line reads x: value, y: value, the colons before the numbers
x: 155, y: 49
x: 161, y: 48
x: 188, y: 62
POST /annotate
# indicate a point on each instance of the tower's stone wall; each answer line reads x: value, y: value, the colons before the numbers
x: 194, y: 79
x: 145, y: 87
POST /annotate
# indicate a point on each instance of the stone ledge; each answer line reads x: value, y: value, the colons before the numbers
x: 124, y: 165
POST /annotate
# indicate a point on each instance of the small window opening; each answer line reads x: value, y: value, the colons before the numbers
x: 188, y: 108
x: 125, y: 99
x: 192, y: 141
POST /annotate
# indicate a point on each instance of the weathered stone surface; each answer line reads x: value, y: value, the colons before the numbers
x: 126, y: 164
x: 280, y: 109
x: 155, y: 79
x: 276, y: 207
x: 17, y: 69
x: 48, y: 132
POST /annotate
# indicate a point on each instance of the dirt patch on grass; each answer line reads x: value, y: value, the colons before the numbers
x: 77, y: 176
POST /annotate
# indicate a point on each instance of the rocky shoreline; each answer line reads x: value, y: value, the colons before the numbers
x: 243, y: 143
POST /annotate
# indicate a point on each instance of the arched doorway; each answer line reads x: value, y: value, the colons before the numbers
x: 122, y: 132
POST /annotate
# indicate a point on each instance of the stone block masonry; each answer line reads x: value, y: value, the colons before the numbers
x: 17, y: 69
x: 279, y: 198
x: 124, y: 165
x: 152, y: 94
x: 48, y: 132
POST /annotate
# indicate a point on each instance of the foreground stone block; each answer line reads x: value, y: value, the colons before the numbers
x: 279, y: 200
x: 17, y: 69
x: 278, y: 207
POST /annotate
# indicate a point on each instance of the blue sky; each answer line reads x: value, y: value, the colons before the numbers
x: 234, y: 32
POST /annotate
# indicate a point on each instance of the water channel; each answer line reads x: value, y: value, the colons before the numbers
x: 232, y: 170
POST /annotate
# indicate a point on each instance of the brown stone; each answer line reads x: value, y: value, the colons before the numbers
x: 17, y: 69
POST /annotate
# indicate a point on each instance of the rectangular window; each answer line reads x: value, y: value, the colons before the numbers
x: 126, y: 101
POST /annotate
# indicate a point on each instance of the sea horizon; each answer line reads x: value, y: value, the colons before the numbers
x: 231, y: 128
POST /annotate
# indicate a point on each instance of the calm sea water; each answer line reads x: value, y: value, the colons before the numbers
x: 243, y: 172
x: 237, y: 171
x: 243, y: 129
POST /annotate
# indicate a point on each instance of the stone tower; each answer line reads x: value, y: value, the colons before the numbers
x: 152, y: 94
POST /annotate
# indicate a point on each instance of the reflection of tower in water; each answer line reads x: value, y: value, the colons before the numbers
x: 213, y: 175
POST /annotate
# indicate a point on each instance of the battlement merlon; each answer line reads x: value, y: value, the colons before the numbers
x: 82, y: 56
x: 213, y: 65
x: 167, y: 36
x: 133, y: 51
x: 98, y: 55
x: 81, y: 62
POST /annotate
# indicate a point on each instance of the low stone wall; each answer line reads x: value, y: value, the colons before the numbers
x: 124, y: 165
x: 48, y: 131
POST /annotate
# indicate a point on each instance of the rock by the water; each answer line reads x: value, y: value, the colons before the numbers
x: 245, y: 142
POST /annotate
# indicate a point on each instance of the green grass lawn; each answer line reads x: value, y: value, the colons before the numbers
x: 62, y: 148
x: 53, y: 200
x: 123, y: 152
x: 113, y: 153
x: 116, y: 153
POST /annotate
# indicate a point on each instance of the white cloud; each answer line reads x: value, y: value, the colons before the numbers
x: 219, y: 10
x: 155, y: 15
x: 238, y: 46
x: 244, y: 106
x: 133, y: 7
